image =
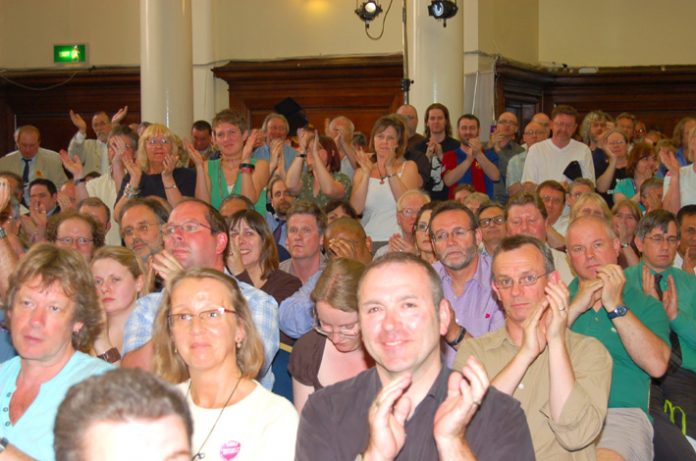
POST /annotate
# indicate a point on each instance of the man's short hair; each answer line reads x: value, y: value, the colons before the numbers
x: 215, y: 220
x: 551, y: 184
x: 47, y: 183
x: 479, y: 197
x: 656, y: 219
x: 627, y: 115
x: 275, y: 115
x: 469, y: 117
x: 397, y: 257
x: 347, y: 207
x: 652, y: 183
x: 153, y: 205
x: 55, y: 221
x: 465, y: 186
x: 124, y: 130
x: 202, y: 125
x: 487, y: 206
x: 350, y: 224
x: 564, y: 109
x: 526, y: 198
x: 409, y: 193
x: 581, y: 181
x: 685, y: 211
x: 118, y: 396
x: 517, y: 241
x: 95, y: 202
x: 453, y: 205
x: 274, y: 180
x: 28, y: 129
x: 247, y: 203
x: 233, y: 118
x: 310, y: 208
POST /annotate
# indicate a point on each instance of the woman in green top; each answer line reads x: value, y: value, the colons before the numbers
x: 235, y: 172
x: 642, y: 165
x: 322, y: 181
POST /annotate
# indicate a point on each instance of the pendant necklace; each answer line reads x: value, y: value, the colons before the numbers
x: 198, y: 454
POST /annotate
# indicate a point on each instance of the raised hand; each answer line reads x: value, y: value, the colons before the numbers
x: 614, y: 280
x: 119, y: 115
x: 557, y: 295
x: 73, y: 165
x: 165, y: 265
x: 133, y: 168
x: 64, y: 201
x: 534, y: 339
x: 249, y: 145
x: 169, y: 163
x: 670, y: 161
x: 194, y: 155
x: 386, y: 420
x: 78, y: 121
x: 649, y: 283
x: 365, y: 162
x: 670, y: 299
x: 5, y: 193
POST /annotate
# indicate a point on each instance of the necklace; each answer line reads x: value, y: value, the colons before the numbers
x: 379, y: 173
x: 198, y: 454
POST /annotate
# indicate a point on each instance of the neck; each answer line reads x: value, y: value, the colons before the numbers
x: 254, y: 271
x: 490, y: 247
x: 560, y: 143
x: 306, y: 267
x: 212, y: 388
x: 155, y: 168
x: 428, y: 256
x: 232, y: 159
x: 654, y: 268
x: 439, y: 137
x: 515, y: 332
x: 116, y: 324
x: 463, y: 275
x: 33, y: 372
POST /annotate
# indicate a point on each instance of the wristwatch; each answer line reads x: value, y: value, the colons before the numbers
x: 620, y: 311
x: 3, y: 444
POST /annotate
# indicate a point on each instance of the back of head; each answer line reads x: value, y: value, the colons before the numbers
x: 338, y: 284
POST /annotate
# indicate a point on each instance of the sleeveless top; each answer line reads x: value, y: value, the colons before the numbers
x: 379, y: 214
x: 219, y: 188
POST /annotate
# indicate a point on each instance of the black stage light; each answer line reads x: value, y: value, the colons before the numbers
x: 368, y: 11
x: 442, y: 9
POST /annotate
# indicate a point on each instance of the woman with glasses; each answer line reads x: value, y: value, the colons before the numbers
x: 158, y: 169
x: 611, y: 162
x: 642, y: 165
x: 333, y: 351
x: 206, y: 342
x: 625, y: 217
x: 322, y: 181
x: 119, y: 280
x: 421, y: 233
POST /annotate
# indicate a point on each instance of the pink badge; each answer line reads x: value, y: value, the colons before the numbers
x: 230, y: 449
x: 488, y: 315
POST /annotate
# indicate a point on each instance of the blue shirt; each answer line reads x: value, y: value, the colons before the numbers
x: 296, y: 317
x: 264, y: 312
x: 264, y: 153
x: 32, y: 433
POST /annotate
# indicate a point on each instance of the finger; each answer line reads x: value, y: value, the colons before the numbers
x: 402, y: 408
x: 478, y: 378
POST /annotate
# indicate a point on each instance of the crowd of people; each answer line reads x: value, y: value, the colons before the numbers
x: 278, y: 293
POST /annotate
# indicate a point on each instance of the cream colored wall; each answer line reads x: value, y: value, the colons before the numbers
x: 30, y: 28
x: 509, y: 28
x: 616, y: 32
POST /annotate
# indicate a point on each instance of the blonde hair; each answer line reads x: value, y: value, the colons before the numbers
x: 168, y: 363
x: 591, y: 198
x: 125, y: 257
x: 151, y: 131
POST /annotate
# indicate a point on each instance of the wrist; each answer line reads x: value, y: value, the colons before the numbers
x: 611, y: 305
x: 447, y: 445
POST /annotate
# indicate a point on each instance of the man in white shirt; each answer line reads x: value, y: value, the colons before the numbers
x: 93, y: 152
x: 558, y: 158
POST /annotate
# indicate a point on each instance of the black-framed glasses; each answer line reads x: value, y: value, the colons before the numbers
x: 488, y: 222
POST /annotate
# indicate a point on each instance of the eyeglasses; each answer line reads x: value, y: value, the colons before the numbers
x: 142, y: 228
x: 506, y: 283
x: 617, y: 143
x: 625, y: 216
x: 534, y: 132
x: 345, y: 331
x: 422, y: 226
x: 160, y: 141
x: 488, y: 222
x: 187, y: 228
x: 409, y: 212
x: 660, y: 239
x: 208, y: 317
x: 443, y: 236
x: 81, y: 241
x: 507, y: 122
x: 553, y: 200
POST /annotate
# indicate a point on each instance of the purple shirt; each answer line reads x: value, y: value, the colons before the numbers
x: 476, y: 309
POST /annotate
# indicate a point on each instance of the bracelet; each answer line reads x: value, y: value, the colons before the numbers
x: 130, y: 191
x: 247, y: 167
x: 79, y: 181
x: 302, y: 156
x: 173, y: 186
x: 459, y: 338
x: 110, y: 356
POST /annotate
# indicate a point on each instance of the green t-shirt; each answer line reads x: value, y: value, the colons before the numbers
x: 630, y: 385
x: 684, y: 324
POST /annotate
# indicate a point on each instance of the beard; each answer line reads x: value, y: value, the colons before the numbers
x: 282, y: 208
x: 468, y: 257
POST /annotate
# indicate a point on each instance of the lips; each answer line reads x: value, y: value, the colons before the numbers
x: 108, y: 300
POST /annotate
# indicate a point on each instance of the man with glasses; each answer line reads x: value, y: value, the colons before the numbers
x: 196, y: 236
x: 93, y: 152
x: 79, y: 232
x: 685, y: 258
x: 560, y: 378
x: 560, y: 158
x: 491, y: 218
x: 468, y: 164
x: 632, y: 326
x: 553, y: 194
x: 141, y: 227
x: 407, y: 208
x: 281, y: 201
x: 657, y: 237
x: 502, y: 143
x: 465, y: 275
x: 532, y: 134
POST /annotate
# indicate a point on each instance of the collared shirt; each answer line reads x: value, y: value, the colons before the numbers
x: 630, y: 385
x: 273, y: 221
x: 684, y: 324
x: 32, y: 433
x: 104, y: 188
x: 295, y: 316
x: 582, y: 416
x: 93, y: 153
x: 504, y: 155
x: 514, y: 169
x: 264, y: 312
x: 476, y: 308
x: 333, y: 424
x: 287, y: 266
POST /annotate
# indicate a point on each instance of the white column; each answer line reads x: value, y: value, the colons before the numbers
x: 166, y: 79
x: 435, y: 60
x: 203, y: 58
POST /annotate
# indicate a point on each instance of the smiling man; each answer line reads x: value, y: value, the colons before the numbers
x: 561, y: 378
x: 409, y: 406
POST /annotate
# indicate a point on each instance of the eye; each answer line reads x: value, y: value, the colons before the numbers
x: 212, y: 314
x: 185, y: 317
x: 98, y: 282
x: 528, y: 279
x: 373, y: 309
x: 55, y: 309
x: 504, y: 283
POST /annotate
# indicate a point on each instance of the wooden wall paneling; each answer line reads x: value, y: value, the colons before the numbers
x: 54, y: 93
x: 361, y: 88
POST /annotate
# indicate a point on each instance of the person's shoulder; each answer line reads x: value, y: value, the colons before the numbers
x: 282, y: 277
x: 586, y: 344
x: 272, y: 405
x: 538, y: 147
x: 253, y: 294
x: 341, y: 397
x: 81, y: 366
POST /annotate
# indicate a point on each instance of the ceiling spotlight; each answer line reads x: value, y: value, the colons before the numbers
x: 442, y: 9
x: 368, y: 11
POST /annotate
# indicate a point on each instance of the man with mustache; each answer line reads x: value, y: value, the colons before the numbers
x: 281, y: 201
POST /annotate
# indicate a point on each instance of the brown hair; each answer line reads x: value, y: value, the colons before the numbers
x: 338, y: 284
x: 268, y: 259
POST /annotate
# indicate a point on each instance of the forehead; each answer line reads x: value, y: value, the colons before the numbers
x: 379, y: 283
x: 492, y: 211
x: 526, y: 210
x: 523, y: 259
x: 137, y: 213
x: 407, y: 111
x: 302, y: 219
x: 74, y: 225
x: 344, y: 232
x: 28, y: 137
x: 187, y: 211
x: 36, y: 285
x: 425, y: 216
x: 192, y: 291
x: 38, y: 189
x: 533, y: 126
x: 433, y: 113
x: 546, y: 190
x: 413, y: 201
x: 671, y: 229
x: 197, y: 132
x: 615, y: 136
x: 225, y: 126
x: 103, y: 118
x: 585, y: 231
x: 564, y: 118
x: 279, y: 186
x: 688, y: 220
x: 276, y: 122
x: 451, y: 217
x: 508, y: 116
x: 581, y: 188
x: 467, y: 123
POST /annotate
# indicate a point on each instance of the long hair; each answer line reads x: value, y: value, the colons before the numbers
x: 268, y: 259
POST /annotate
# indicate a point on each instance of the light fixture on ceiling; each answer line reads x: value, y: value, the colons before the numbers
x: 443, y: 9
x: 368, y: 11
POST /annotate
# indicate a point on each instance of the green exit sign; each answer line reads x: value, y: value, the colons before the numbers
x: 69, y: 53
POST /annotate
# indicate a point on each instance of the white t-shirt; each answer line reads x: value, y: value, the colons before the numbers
x: 547, y: 161
x: 687, y: 185
x: 261, y: 426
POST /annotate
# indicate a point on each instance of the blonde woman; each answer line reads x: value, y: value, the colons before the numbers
x: 119, y: 280
x: 590, y: 203
x: 206, y: 342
